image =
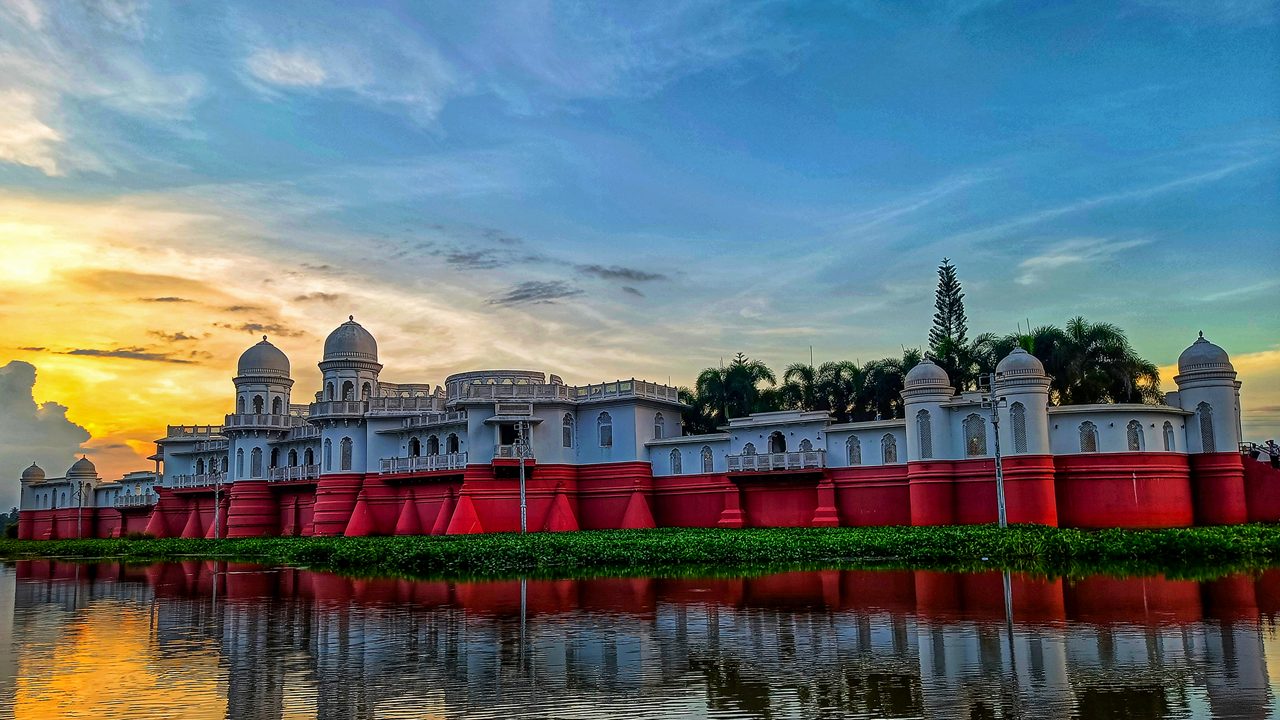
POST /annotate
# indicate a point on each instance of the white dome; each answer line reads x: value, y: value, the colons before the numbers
x: 83, y: 467
x: 927, y: 374
x: 1020, y: 362
x: 263, y: 359
x: 1203, y: 355
x: 35, y: 473
x: 350, y: 341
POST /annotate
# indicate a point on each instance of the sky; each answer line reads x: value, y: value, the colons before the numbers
x: 611, y: 190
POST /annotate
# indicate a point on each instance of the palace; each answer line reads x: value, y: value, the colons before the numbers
x: 369, y: 457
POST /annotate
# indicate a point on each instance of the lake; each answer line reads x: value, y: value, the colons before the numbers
x: 206, y: 639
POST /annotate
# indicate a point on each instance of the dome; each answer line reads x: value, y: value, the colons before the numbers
x: 1020, y: 362
x: 33, y: 474
x: 927, y: 374
x: 350, y: 341
x: 263, y: 359
x: 1203, y: 355
x: 83, y: 468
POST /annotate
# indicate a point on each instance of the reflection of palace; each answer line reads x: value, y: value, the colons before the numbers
x: 369, y: 456
x: 273, y: 643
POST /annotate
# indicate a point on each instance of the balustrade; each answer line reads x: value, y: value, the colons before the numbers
x: 193, y: 481
x: 423, y: 463
x: 293, y: 472
x: 140, y: 500
x: 766, y: 462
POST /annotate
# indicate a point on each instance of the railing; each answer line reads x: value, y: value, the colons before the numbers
x: 517, y: 392
x: 435, y: 418
x: 627, y: 388
x: 423, y: 463
x: 193, y: 481
x: 338, y: 408
x: 140, y: 500
x: 512, y: 451
x: 210, y: 445
x: 263, y: 420
x: 803, y: 460
x: 303, y: 432
x: 294, y: 472
x: 175, y: 431
x: 418, y: 403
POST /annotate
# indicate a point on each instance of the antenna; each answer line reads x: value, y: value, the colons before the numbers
x: 810, y: 356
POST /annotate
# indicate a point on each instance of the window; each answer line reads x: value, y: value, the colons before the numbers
x: 328, y: 391
x: 566, y: 430
x: 451, y: 443
x: 853, y: 450
x: 255, y: 463
x: 777, y: 442
x: 1088, y: 437
x: 328, y: 455
x: 240, y: 463
x: 806, y: 446
x: 1205, y: 412
x: 1134, y: 438
x: 433, y: 445
x: 975, y: 436
x: 275, y: 457
x: 889, y: 449
x: 348, y: 390
x: 1168, y: 436
x: 224, y: 464
x: 604, y: 428
x: 293, y: 458
x: 277, y: 407
x: 347, y: 448
x: 676, y: 468
x: 924, y: 428
x: 257, y: 404
x: 240, y: 404
x: 708, y: 462
x: 365, y: 391
x: 415, y: 447
x: 200, y: 466
x: 658, y: 427
x: 749, y: 449
x: 308, y: 457
x: 1018, y: 418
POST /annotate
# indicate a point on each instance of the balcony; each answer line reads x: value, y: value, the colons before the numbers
x: 774, y: 462
x: 210, y: 446
x: 396, y: 405
x: 435, y: 418
x: 624, y: 389
x: 189, y: 431
x: 195, y: 481
x: 130, y: 501
x: 423, y: 463
x: 512, y: 452
x: 295, y: 472
x: 265, y: 421
x: 338, y: 409
x: 303, y: 432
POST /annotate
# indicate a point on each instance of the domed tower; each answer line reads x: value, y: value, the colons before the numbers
x: 33, y: 474
x: 1207, y: 386
x: 262, y: 405
x: 350, y: 365
x: 1022, y: 382
x: 924, y: 390
x: 82, y: 470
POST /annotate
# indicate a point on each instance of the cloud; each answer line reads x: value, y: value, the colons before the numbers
x: 318, y: 297
x: 262, y: 328
x: 287, y: 69
x: 172, y: 337
x: 25, y: 139
x: 615, y: 272
x: 166, y: 299
x: 632, y: 291
x: 243, y: 309
x: 127, y: 353
x: 476, y: 259
x: 31, y: 432
x: 536, y: 291
x: 1077, y: 251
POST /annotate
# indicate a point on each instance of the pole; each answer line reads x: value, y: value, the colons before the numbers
x: 80, y: 512
x: 217, y: 507
x: 520, y: 445
x: 995, y: 425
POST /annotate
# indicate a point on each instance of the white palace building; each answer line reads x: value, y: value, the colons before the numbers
x: 366, y: 456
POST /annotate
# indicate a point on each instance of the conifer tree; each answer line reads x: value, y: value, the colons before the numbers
x: 948, y: 339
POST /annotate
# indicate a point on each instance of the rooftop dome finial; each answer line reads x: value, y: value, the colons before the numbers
x: 352, y: 318
x: 264, y: 338
x: 1201, y: 334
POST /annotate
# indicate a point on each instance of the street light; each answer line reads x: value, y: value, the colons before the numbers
x: 989, y: 400
x: 82, y: 488
x: 520, y: 451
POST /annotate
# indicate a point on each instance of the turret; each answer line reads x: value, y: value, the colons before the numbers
x: 262, y: 405
x: 1021, y: 380
x: 1207, y: 386
x: 350, y: 365
x: 924, y: 390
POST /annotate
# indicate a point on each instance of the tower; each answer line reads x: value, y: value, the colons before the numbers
x: 262, y: 407
x: 1029, y: 475
x: 1207, y: 387
x: 930, y: 484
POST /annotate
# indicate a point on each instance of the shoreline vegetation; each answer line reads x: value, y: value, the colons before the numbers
x: 1201, y: 552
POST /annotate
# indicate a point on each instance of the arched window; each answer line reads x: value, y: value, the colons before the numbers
x: 277, y: 406
x: 64, y: 498
x: 308, y: 457
x: 433, y: 445
x: 975, y: 436
x: 328, y: 455
x: 257, y: 404
x: 604, y: 428
x: 293, y: 458
x: 749, y: 449
x: 240, y: 463
x: 240, y: 404
x: 415, y: 447
x: 451, y: 443
x: 347, y: 447
x: 658, y: 427
x: 1134, y: 438
x: 328, y: 391
x: 1018, y: 418
x: 708, y: 462
x: 255, y: 463
x: 1168, y: 436
x: 1205, y: 412
x: 777, y: 442
x: 676, y: 468
x: 924, y: 428
x: 566, y: 430
x: 348, y: 390
x: 200, y: 466
x: 853, y: 450
x: 888, y: 449
x: 365, y: 391
x: 224, y: 464
x: 275, y: 457
x: 1088, y: 437
x: 806, y: 446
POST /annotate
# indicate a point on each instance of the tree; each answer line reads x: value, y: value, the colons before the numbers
x: 695, y: 418
x: 735, y: 390
x: 883, y: 381
x: 840, y: 382
x: 800, y: 390
x: 948, y: 338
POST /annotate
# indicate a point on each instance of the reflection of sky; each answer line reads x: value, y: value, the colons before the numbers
x: 127, y: 646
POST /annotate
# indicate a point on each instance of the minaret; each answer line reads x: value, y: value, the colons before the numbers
x: 1030, y: 495
x: 1207, y: 387
x: 930, y: 484
x: 26, y: 500
x: 262, y: 405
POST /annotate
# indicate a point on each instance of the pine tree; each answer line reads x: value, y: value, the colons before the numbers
x: 948, y: 339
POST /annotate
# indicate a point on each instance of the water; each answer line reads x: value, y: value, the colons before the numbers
x: 212, y: 640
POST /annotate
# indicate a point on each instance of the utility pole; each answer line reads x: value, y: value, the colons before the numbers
x: 520, y: 448
x: 217, y: 508
x: 989, y: 400
x: 80, y: 489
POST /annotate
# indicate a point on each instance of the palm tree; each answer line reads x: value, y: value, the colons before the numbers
x: 839, y: 383
x: 883, y: 382
x: 800, y: 390
x: 735, y: 391
x: 696, y: 418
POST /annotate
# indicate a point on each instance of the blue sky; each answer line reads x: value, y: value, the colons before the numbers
x: 633, y: 188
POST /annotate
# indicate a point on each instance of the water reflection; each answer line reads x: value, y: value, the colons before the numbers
x: 214, y: 640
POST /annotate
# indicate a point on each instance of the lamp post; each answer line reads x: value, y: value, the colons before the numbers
x: 79, y: 493
x: 520, y: 450
x: 989, y: 400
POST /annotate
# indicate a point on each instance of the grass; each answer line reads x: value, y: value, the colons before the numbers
x: 1192, y: 552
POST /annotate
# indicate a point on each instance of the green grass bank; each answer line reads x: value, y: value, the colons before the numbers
x: 1192, y: 552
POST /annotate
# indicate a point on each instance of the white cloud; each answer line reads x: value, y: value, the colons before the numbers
x: 287, y: 69
x: 1077, y: 251
x: 24, y: 138
x: 31, y: 432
